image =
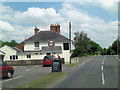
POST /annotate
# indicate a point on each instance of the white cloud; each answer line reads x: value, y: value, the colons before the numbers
x: 96, y: 28
x: 35, y: 15
x: 111, y: 6
x: 6, y: 26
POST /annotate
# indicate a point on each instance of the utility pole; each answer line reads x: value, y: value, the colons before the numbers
x: 70, y: 39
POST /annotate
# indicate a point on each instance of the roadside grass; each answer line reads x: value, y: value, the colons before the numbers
x: 72, y: 65
x: 45, y: 81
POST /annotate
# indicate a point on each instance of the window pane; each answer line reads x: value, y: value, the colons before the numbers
x: 16, y: 56
x: 10, y: 57
x: 13, y: 57
x: 36, y: 44
x: 66, y: 46
x: 29, y: 56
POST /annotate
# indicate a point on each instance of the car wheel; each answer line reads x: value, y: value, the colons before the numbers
x: 9, y: 74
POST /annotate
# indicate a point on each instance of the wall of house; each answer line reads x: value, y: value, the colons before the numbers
x: 30, y: 47
x: 8, y: 52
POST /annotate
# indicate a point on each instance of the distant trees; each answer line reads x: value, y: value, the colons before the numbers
x: 12, y: 43
x: 114, y: 49
x: 84, y: 46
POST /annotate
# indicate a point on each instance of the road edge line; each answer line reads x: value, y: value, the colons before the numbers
x: 118, y: 59
x: 12, y: 78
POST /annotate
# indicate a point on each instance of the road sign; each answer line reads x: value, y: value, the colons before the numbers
x: 51, y: 43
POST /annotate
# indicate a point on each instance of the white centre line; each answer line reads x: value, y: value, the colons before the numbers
x: 102, y: 68
x: 28, y: 70
x: 103, y: 80
x: 103, y: 60
x: 12, y: 79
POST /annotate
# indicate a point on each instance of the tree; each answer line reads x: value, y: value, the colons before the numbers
x: 79, y: 51
x: 83, y: 45
x: 81, y: 39
x: 12, y: 43
x: 94, y: 47
x: 104, y: 51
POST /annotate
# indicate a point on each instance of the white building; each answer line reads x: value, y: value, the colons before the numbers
x: 36, y: 47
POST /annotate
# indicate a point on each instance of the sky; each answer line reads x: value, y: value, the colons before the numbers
x: 98, y: 19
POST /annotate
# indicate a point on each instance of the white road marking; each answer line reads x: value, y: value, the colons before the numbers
x: 12, y: 78
x: 118, y: 59
x: 102, y: 68
x: 103, y: 80
x: 103, y: 60
x: 35, y: 66
x: 82, y: 64
x: 28, y: 70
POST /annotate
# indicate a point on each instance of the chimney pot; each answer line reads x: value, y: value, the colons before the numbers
x: 36, y: 30
x: 55, y: 28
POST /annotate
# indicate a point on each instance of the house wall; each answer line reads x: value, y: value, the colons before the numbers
x: 29, y: 46
x: 8, y: 52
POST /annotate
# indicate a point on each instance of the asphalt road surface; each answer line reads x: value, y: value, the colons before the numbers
x: 99, y: 72
x: 25, y: 74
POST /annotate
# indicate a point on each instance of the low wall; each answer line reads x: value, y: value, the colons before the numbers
x: 24, y: 62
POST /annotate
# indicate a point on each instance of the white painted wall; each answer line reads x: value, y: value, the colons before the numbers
x: 30, y: 47
x: 8, y: 52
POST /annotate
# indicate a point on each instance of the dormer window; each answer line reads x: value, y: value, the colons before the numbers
x: 36, y: 44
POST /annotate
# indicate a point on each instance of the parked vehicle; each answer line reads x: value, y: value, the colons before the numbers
x: 6, y: 70
x: 48, y: 60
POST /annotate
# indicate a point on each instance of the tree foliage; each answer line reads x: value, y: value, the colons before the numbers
x: 12, y: 43
x: 114, y: 49
x: 84, y: 45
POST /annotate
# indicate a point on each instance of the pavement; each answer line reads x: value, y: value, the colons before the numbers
x: 98, y: 72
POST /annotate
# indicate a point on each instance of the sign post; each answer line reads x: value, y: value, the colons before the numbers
x: 51, y: 43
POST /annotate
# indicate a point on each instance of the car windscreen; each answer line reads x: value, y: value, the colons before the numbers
x: 48, y: 57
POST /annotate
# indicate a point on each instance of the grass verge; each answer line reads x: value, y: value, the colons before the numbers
x: 45, y: 81
x: 72, y: 65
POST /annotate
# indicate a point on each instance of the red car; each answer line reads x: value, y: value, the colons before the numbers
x: 6, y: 70
x: 48, y: 60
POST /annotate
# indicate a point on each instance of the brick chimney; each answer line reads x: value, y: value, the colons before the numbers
x: 55, y: 28
x: 36, y: 30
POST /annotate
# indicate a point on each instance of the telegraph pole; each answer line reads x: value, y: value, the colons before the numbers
x: 70, y: 39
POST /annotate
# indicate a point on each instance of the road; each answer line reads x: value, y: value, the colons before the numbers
x: 99, y: 72
x: 25, y: 74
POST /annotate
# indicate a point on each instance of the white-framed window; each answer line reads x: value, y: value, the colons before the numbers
x: 13, y: 57
x: 66, y: 46
x: 28, y: 56
x: 36, y: 44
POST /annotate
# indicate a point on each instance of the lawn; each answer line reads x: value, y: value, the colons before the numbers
x: 72, y: 65
x: 45, y: 81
